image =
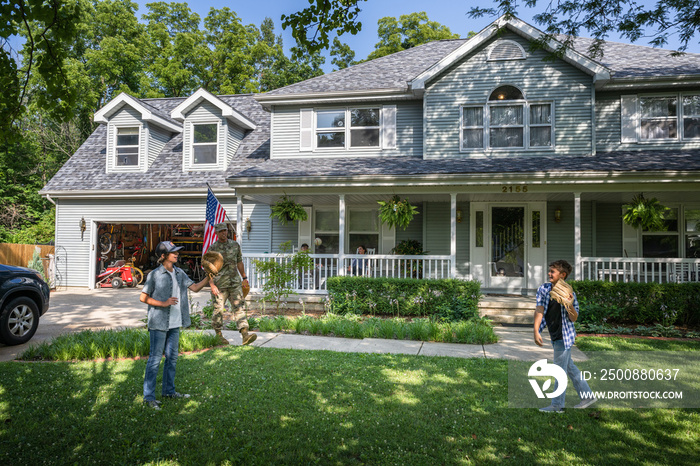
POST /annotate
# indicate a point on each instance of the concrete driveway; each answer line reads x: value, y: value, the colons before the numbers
x: 76, y: 309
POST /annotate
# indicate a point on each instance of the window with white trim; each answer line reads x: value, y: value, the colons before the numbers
x: 665, y: 117
x: 333, y: 130
x: 326, y: 230
x: 662, y: 243
x: 127, y: 146
x: 507, y: 121
x: 692, y: 232
x: 205, y: 141
x: 363, y: 229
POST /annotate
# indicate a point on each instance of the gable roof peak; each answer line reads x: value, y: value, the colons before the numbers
x: 148, y: 113
x: 178, y: 113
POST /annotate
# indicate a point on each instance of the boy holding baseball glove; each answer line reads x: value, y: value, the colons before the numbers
x: 557, y: 309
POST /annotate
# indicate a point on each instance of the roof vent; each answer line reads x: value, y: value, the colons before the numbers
x: 507, y: 50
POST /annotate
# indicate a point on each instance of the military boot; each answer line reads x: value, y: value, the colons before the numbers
x: 220, y: 340
x: 247, y: 337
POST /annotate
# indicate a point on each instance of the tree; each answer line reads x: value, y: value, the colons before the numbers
x: 312, y: 25
x: 47, y: 26
x: 600, y: 18
x: 410, y: 30
x: 343, y: 55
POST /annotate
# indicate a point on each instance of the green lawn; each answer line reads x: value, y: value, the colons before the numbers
x: 272, y: 406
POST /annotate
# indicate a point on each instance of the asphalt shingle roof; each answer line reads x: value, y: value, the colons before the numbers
x: 85, y: 170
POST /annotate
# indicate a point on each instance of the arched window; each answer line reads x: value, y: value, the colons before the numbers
x: 506, y: 50
x: 506, y: 121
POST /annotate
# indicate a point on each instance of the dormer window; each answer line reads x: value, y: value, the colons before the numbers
x: 506, y: 121
x: 204, y: 143
x: 127, y: 146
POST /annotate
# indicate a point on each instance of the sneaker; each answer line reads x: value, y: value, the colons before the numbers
x: 586, y: 403
x: 551, y: 409
x: 177, y: 395
x: 152, y: 404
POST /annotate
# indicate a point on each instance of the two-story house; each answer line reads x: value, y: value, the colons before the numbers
x: 513, y: 160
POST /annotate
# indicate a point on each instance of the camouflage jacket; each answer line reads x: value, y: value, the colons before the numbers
x: 228, y: 276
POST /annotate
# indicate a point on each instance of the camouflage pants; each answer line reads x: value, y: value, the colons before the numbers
x: 234, y: 295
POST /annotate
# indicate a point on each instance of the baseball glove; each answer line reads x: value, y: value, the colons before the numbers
x: 245, y: 287
x: 212, y: 262
x: 563, y: 294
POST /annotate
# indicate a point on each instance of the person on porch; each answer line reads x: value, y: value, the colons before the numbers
x: 359, y: 266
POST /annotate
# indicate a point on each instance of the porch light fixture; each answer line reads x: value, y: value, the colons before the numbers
x: 83, y: 227
x: 557, y: 214
x: 248, y: 226
x: 459, y: 215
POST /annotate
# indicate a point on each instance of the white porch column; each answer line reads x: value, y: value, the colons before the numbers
x: 341, y: 234
x: 577, y: 236
x: 239, y: 219
x: 453, y: 235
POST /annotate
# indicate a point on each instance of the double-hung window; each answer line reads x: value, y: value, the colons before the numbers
x: 363, y: 229
x: 662, y: 243
x: 326, y: 228
x: 659, y: 117
x: 127, y: 146
x: 507, y: 121
x: 204, y: 143
x: 347, y: 128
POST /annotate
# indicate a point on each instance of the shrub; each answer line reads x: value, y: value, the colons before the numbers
x: 449, y: 299
x: 638, y: 303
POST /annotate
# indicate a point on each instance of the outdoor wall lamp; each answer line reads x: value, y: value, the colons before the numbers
x: 459, y: 215
x: 557, y: 214
x: 248, y: 226
x: 83, y: 227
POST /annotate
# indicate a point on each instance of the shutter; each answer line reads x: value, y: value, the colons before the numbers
x: 388, y: 125
x: 111, y: 147
x: 305, y: 230
x: 629, y: 119
x: 388, y: 239
x: 630, y: 239
x: 306, y: 136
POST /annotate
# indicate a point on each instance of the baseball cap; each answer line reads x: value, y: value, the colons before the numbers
x: 166, y: 247
x: 220, y: 226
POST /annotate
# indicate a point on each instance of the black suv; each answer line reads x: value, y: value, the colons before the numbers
x: 24, y: 297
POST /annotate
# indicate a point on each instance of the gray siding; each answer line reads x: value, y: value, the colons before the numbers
x: 409, y: 133
x: 437, y: 232
x: 205, y: 112
x: 157, y: 140
x: 609, y: 230
x: 282, y: 233
x: 472, y: 80
x: 608, y: 126
x: 560, y: 236
x: 234, y: 137
x: 586, y: 228
x: 126, y: 116
x: 144, y: 211
x: 414, y: 230
x: 463, y: 259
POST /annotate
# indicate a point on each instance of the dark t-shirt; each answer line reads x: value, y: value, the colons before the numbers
x: 553, y: 318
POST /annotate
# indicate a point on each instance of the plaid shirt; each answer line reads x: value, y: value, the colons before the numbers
x: 567, y: 327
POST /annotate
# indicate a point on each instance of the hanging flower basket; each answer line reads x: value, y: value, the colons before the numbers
x: 396, y: 213
x: 286, y: 211
x: 645, y: 213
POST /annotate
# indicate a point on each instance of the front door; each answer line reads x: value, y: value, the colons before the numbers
x: 508, y: 245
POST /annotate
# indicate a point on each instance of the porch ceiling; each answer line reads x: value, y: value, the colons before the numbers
x: 416, y: 198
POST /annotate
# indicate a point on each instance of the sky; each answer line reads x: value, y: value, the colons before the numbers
x: 451, y: 13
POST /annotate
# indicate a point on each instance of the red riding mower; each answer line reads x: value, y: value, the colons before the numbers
x: 117, y: 276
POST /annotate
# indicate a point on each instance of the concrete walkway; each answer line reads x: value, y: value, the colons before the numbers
x: 77, y: 309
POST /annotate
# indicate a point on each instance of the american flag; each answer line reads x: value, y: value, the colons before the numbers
x: 215, y: 214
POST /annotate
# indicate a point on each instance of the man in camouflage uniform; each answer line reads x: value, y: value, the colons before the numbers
x: 227, y: 285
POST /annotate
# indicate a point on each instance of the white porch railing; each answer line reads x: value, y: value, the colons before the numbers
x: 643, y: 270
x: 325, y: 266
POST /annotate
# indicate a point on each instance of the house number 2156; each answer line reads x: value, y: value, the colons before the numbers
x: 514, y: 189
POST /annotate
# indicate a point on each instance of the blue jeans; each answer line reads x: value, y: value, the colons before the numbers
x: 161, y: 342
x: 562, y: 358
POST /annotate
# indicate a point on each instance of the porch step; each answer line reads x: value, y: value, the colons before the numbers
x: 508, y: 309
x: 311, y: 303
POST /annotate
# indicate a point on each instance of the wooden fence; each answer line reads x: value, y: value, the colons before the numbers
x: 21, y: 254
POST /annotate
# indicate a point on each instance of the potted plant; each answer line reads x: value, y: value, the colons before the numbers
x: 286, y: 210
x: 645, y: 213
x: 396, y: 213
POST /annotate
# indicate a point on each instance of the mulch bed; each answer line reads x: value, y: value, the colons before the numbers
x: 636, y: 336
